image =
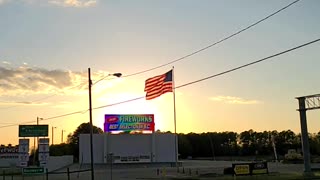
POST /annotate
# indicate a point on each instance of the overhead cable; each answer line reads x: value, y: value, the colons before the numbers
x: 193, y: 82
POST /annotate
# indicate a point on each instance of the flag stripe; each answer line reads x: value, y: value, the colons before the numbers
x: 158, y: 85
x: 161, y: 89
x: 154, y: 78
x: 155, y: 83
x: 155, y: 95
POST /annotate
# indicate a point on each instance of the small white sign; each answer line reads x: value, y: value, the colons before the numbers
x: 43, y: 148
x: 43, y: 156
x: 43, y: 163
x: 23, y: 152
x: 23, y: 164
x: 24, y: 142
x: 23, y: 148
x: 44, y: 141
x: 24, y: 157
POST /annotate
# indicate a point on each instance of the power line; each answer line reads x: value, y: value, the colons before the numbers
x: 222, y: 73
x: 63, y: 115
x: 186, y: 56
x: 9, y: 107
x: 219, y: 74
x: 191, y: 54
x: 255, y: 62
x: 190, y: 83
x: 122, y: 102
x: 47, y: 97
x: 17, y: 124
x: 46, y: 119
x: 213, y: 44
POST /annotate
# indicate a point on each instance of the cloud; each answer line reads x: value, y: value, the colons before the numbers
x: 27, y: 80
x: 4, y: 1
x: 73, y: 3
x: 62, y: 3
x: 233, y: 100
x: 5, y: 62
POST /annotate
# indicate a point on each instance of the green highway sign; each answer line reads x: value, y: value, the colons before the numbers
x: 33, y: 170
x: 33, y: 130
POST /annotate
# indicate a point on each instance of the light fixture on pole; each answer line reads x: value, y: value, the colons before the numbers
x: 90, y: 115
x: 52, y: 134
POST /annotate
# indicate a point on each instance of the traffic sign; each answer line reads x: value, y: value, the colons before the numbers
x: 33, y: 130
x: 33, y: 170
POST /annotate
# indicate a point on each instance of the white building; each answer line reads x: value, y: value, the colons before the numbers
x: 128, y: 148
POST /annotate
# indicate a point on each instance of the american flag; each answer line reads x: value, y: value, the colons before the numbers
x: 158, y: 85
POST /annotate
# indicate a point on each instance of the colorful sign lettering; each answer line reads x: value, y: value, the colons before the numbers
x: 129, y: 122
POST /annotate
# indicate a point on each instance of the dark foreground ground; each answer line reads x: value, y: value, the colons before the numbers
x: 191, y: 169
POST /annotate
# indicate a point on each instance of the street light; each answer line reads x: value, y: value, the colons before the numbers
x: 62, y: 135
x: 90, y: 115
x: 52, y: 134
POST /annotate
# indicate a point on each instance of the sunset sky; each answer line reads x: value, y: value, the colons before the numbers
x: 47, y: 46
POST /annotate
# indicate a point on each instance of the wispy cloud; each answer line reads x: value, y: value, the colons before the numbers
x: 233, y: 100
x: 74, y: 3
x: 14, y: 103
x: 62, y: 3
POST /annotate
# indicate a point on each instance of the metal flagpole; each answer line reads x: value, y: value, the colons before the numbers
x: 175, y: 121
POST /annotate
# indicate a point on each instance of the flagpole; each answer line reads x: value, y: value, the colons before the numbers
x: 175, y: 119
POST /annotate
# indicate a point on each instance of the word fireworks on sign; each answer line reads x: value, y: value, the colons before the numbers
x: 129, y: 122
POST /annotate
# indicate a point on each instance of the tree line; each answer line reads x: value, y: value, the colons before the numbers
x: 246, y: 143
x: 214, y: 144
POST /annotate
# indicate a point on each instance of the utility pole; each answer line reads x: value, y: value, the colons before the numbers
x: 91, y: 128
x: 52, y: 134
x: 62, y: 136
x: 35, y: 145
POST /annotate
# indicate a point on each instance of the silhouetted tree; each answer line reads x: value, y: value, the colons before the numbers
x: 185, y: 148
x: 61, y: 149
x: 73, y: 139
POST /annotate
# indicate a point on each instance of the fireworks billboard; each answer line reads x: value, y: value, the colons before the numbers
x: 128, y: 122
